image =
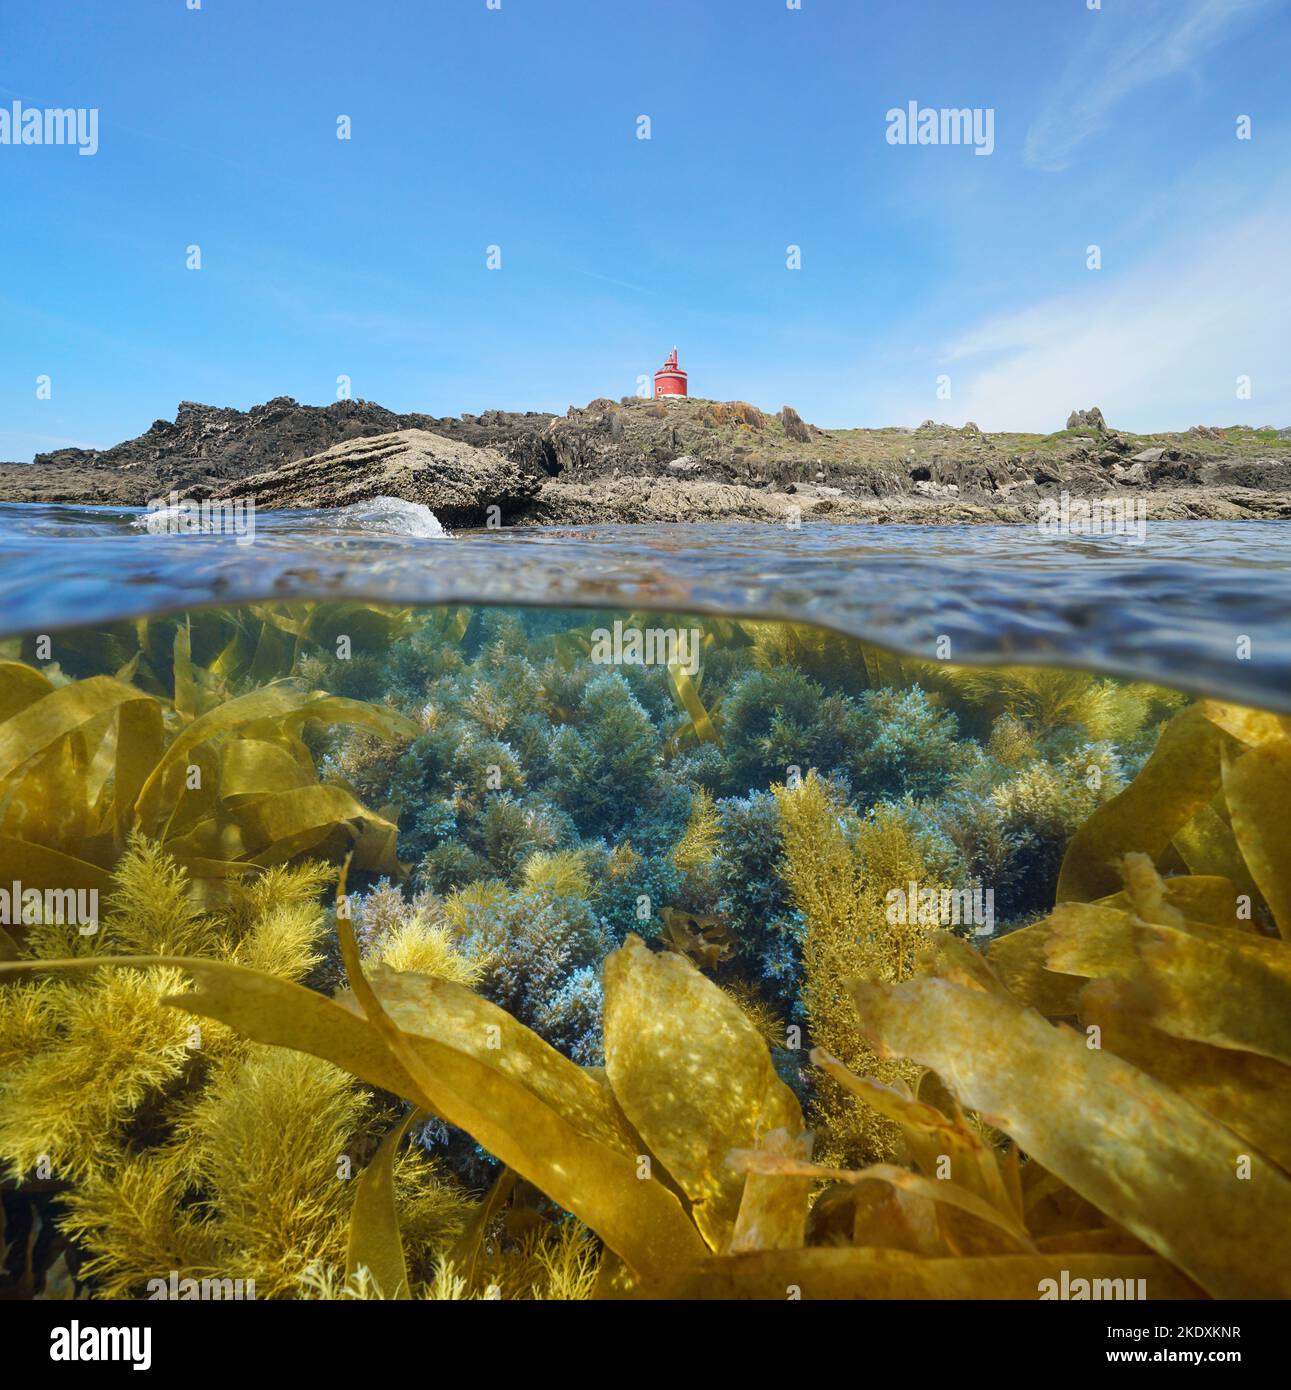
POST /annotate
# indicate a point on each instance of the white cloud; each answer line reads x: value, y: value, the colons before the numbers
x: 1125, y: 50
x: 1159, y: 347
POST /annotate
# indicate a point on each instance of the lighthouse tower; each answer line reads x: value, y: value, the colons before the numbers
x: 670, y: 380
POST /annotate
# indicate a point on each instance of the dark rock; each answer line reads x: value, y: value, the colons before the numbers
x: 1171, y: 469
x: 795, y: 427
x: 215, y: 444
x: 634, y: 445
x: 1091, y: 419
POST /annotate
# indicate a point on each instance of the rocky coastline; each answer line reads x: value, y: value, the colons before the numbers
x: 637, y: 460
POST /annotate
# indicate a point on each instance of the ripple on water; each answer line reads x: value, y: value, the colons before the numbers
x: 1172, y: 609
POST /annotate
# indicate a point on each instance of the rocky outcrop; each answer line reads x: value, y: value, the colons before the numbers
x: 457, y: 481
x: 1091, y: 419
x: 206, y: 447
x: 719, y: 453
x: 794, y: 426
x: 652, y: 500
x: 208, y: 443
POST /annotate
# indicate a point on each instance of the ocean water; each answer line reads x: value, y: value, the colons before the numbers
x: 1171, y: 608
x: 638, y: 837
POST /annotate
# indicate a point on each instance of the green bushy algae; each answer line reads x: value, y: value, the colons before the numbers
x: 547, y: 808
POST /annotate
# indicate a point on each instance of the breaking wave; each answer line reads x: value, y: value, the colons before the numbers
x: 386, y: 516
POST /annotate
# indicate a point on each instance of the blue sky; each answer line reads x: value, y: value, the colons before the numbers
x: 517, y: 127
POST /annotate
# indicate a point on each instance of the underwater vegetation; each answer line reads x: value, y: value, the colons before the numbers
x: 631, y: 987
x: 225, y: 781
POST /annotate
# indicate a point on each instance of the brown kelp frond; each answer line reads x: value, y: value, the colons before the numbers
x: 225, y: 788
x: 1209, y: 801
x: 682, y: 1155
x: 192, y: 661
x: 972, y: 1142
x: 1101, y: 1174
x: 1146, y: 1156
x: 453, y: 1054
x: 689, y: 1092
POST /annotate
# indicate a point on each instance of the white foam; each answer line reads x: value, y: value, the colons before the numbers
x: 390, y: 516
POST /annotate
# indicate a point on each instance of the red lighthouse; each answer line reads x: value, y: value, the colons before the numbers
x: 670, y: 380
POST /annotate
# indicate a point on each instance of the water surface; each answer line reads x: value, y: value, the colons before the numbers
x: 1173, y: 609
